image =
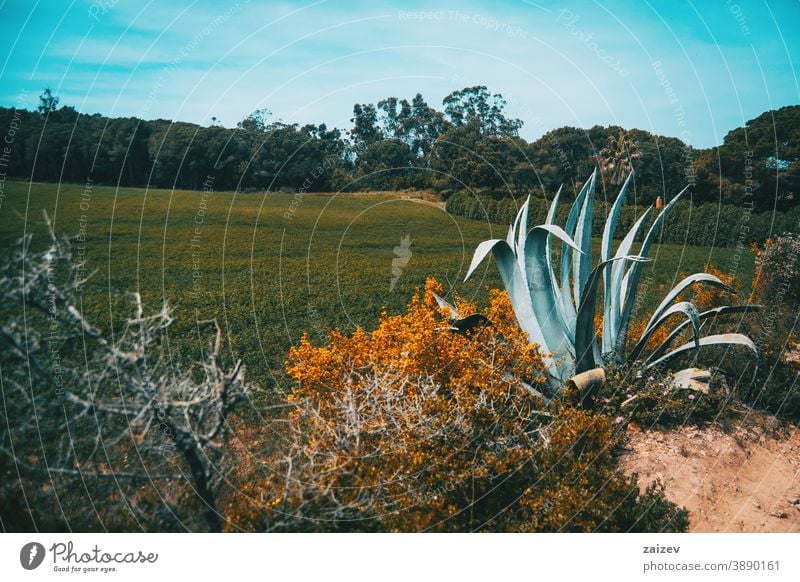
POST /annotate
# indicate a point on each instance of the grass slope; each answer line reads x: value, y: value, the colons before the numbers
x: 270, y: 267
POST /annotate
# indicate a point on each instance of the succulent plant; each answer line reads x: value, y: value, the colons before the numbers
x: 556, y: 304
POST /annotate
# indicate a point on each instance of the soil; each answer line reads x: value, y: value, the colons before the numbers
x: 745, y: 478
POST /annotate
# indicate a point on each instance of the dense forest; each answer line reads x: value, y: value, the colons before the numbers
x: 469, y: 144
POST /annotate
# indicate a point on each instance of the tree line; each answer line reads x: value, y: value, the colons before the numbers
x: 469, y: 144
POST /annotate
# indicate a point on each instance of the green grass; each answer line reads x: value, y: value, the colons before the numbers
x: 269, y: 276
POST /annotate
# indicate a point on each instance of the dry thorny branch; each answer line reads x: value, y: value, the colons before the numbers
x: 104, y: 409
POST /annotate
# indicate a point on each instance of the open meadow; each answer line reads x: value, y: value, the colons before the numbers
x: 273, y: 266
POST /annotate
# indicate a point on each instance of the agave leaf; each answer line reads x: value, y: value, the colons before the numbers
x: 605, y: 254
x: 585, y: 354
x: 567, y: 321
x: 705, y: 315
x: 636, y: 270
x: 553, y: 210
x: 623, y: 290
x: 711, y: 340
x: 692, y: 379
x: 540, y: 286
x: 582, y: 264
x: 484, y: 249
x: 684, y: 307
x: 445, y: 305
x: 568, y: 305
x: 681, y: 287
x: 569, y: 228
x: 611, y: 221
x: 513, y: 229
x: 522, y: 231
x: 510, y: 236
x: 611, y: 317
x: 516, y: 287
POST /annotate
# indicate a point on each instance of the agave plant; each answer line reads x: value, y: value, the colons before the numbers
x: 555, y: 304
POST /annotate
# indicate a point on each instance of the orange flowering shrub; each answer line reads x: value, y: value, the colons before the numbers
x: 415, y: 428
x: 419, y: 344
x: 707, y: 297
x: 635, y: 331
x: 656, y: 338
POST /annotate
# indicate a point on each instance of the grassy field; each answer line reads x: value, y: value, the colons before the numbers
x: 270, y: 267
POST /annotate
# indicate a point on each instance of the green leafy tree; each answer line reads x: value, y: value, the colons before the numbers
x: 47, y: 102
x: 476, y: 105
x: 366, y: 130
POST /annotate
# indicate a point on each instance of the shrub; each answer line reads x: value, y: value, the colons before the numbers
x: 776, y: 285
x: 708, y: 297
x: 648, y: 398
x: 776, y: 387
x: 413, y: 427
x: 778, y: 270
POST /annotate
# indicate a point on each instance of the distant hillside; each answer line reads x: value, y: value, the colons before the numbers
x: 468, y: 145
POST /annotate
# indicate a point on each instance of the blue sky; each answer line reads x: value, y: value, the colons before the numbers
x: 688, y: 69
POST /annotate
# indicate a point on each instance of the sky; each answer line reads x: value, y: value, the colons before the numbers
x: 693, y: 70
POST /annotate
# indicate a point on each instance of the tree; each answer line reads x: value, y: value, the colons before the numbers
x: 477, y: 105
x: 47, y: 102
x: 385, y: 164
x: 758, y: 164
x: 422, y: 128
x: 365, y: 126
x: 616, y: 159
x: 256, y: 121
x: 394, y: 113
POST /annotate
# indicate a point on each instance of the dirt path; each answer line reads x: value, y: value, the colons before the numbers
x: 743, y: 480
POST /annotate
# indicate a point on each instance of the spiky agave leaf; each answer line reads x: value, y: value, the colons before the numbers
x: 525, y: 267
x: 684, y: 307
x: 692, y: 379
x: 664, y: 311
x: 635, y: 274
x: 569, y: 306
x: 711, y: 340
x: 613, y: 313
x: 582, y: 263
x: 687, y: 282
x: 702, y: 317
x: 522, y: 227
x: 587, y: 353
x: 567, y: 318
x: 543, y: 296
x: 605, y: 254
x: 514, y: 282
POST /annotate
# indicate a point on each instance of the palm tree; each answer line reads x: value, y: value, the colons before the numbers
x: 616, y: 159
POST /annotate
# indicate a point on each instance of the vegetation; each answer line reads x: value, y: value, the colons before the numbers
x: 109, y: 420
x: 778, y: 272
x: 270, y: 268
x: 369, y: 370
x: 469, y: 145
x: 706, y: 224
x: 557, y: 311
x: 413, y: 427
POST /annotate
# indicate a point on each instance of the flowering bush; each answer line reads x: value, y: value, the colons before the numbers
x: 415, y: 428
x: 708, y: 297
